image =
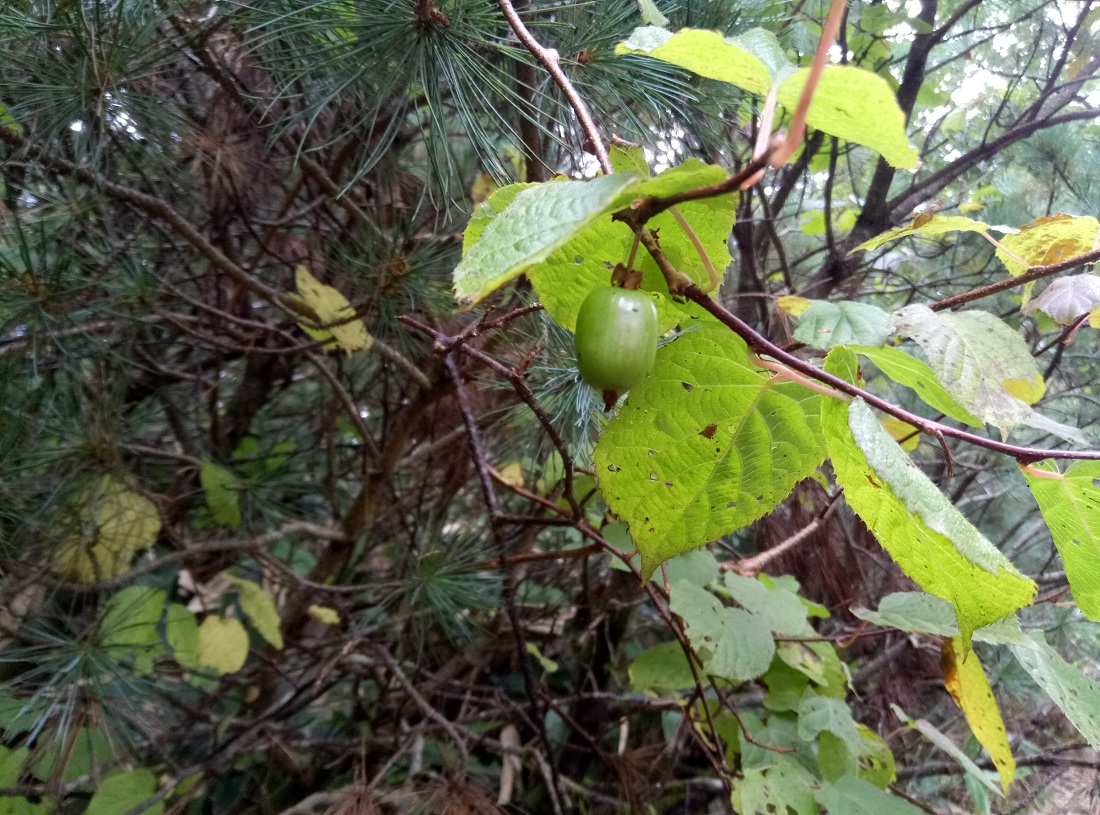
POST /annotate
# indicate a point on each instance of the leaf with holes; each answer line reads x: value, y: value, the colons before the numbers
x: 705, y: 445
x: 825, y: 324
x: 1048, y: 240
x: 926, y: 226
x: 921, y: 529
x: 982, y: 362
x: 1070, y: 504
x: 732, y: 643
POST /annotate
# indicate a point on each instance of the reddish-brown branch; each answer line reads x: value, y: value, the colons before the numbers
x: 1031, y: 275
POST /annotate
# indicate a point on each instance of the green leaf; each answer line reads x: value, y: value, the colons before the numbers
x: 222, y: 496
x: 913, y: 611
x: 857, y: 106
x: 921, y: 529
x: 570, y: 273
x: 260, y: 608
x: 661, y: 668
x: 915, y: 374
x: 181, y: 629
x: 495, y: 204
x: 706, y: 53
x: 785, y: 684
x: 1067, y: 298
x: 705, y: 445
x: 121, y: 791
x: 934, y: 735
x: 825, y: 324
x: 129, y: 626
x: 628, y: 159
x: 819, y: 662
x: 651, y: 15
x: 1070, y: 504
x: 854, y: 796
x: 977, y: 358
x: 783, y: 611
x: 785, y: 787
x: 1048, y: 240
x: 817, y: 714
x: 1077, y: 695
x: 538, y: 220
x: 223, y: 644
x: 732, y: 643
x: 925, y: 226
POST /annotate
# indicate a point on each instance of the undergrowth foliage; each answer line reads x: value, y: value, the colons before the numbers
x: 305, y: 506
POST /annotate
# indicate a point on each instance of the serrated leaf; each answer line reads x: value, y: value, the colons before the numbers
x: 1048, y: 240
x: 181, y: 629
x: 569, y: 274
x: 825, y: 324
x: 974, y: 355
x: 705, y: 53
x: 223, y: 644
x: 854, y: 796
x: 780, y: 609
x: 1067, y: 298
x: 705, y: 445
x: 222, y: 498
x: 817, y: 714
x: 915, y: 374
x: 114, y: 524
x: 332, y: 307
x: 260, y: 608
x: 129, y: 626
x: 928, y: 227
x: 921, y: 529
x: 661, y: 668
x: 121, y: 791
x: 1070, y: 504
x: 538, y: 220
x: 857, y: 106
x: 969, y: 687
x: 912, y: 611
x: 933, y: 734
x: 733, y: 644
x: 629, y: 159
x: 784, y: 787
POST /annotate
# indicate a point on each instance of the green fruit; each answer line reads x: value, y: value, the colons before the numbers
x: 616, y: 338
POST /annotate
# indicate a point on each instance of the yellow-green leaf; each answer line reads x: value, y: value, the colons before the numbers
x: 706, y: 53
x: 969, y: 687
x: 925, y: 226
x: 260, y: 608
x: 324, y: 614
x: 1048, y: 240
x: 181, y: 629
x: 222, y: 498
x: 113, y: 523
x: 332, y: 307
x: 223, y: 644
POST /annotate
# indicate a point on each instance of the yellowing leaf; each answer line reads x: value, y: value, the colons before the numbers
x: 967, y: 683
x: 324, y: 614
x: 548, y: 665
x: 483, y: 187
x: 1048, y: 240
x: 1030, y: 391
x: 332, y: 307
x: 970, y: 206
x: 793, y: 305
x: 926, y: 225
x: 512, y: 473
x: 113, y: 523
x: 260, y: 608
x: 223, y: 644
x: 904, y: 433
